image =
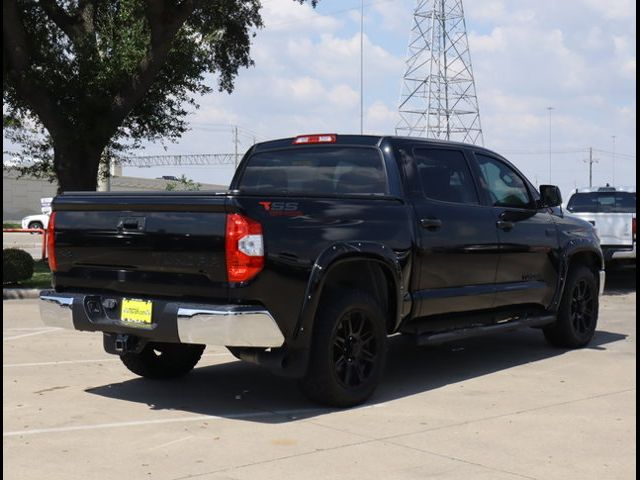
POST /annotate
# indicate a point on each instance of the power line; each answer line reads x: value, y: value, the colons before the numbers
x: 544, y: 152
x: 617, y: 154
x: 226, y: 127
x: 327, y: 14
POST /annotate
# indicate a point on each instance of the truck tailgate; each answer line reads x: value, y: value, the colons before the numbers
x: 145, y: 244
x: 614, y: 229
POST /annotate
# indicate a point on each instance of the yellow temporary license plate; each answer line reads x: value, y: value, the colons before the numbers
x: 136, y: 311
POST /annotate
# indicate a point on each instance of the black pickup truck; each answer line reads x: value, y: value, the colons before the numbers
x: 323, y: 246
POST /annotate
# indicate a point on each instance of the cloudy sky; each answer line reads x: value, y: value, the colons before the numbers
x: 578, y: 56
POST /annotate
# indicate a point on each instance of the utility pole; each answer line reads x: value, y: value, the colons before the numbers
x: 361, y: 67
x: 235, y: 130
x: 613, y: 182
x: 550, y: 109
x: 591, y: 161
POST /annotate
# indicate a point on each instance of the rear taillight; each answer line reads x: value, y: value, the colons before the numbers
x: 244, y: 248
x: 633, y: 229
x: 51, y: 243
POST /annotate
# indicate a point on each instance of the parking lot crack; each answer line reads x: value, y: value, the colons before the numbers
x: 462, y: 460
x: 509, y: 414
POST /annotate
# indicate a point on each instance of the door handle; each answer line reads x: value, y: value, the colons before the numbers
x: 505, y: 225
x: 431, y: 224
x: 131, y: 223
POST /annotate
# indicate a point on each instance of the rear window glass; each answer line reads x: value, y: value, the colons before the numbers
x: 316, y: 171
x: 595, y: 202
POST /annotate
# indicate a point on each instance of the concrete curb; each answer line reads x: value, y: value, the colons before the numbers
x: 19, y: 293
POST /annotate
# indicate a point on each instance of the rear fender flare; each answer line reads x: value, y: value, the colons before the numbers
x: 338, y: 254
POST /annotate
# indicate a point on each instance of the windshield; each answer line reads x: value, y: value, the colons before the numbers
x: 316, y: 171
x: 597, y: 202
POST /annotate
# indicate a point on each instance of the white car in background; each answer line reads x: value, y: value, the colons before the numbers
x: 612, y: 211
x: 40, y: 220
x: 35, y: 221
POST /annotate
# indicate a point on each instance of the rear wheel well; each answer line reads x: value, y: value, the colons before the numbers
x: 369, y: 276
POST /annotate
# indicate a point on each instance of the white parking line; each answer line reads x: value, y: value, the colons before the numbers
x: 49, y: 330
x: 19, y: 329
x: 61, y: 362
x: 137, y: 423
x: 96, y: 360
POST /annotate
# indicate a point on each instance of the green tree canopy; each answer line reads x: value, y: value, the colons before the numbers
x: 92, y: 75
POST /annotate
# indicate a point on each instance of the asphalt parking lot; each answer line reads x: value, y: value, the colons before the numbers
x: 504, y: 407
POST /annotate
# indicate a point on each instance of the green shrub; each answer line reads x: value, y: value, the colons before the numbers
x: 17, y: 265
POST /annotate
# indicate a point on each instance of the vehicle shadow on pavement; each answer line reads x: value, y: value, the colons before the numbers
x: 620, y: 281
x: 237, y: 390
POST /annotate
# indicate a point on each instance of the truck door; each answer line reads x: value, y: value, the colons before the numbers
x: 457, y: 251
x: 527, y: 272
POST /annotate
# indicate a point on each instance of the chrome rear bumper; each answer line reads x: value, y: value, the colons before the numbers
x: 231, y: 326
x: 627, y: 254
x: 56, y: 310
x: 223, y: 325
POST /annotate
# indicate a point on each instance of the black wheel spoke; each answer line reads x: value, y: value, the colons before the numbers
x: 340, y: 362
x: 368, y: 357
x: 361, y: 322
x: 582, y: 310
x: 349, y: 374
x: 354, y: 349
x: 583, y: 289
x: 576, y: 322
x: 356, y: 372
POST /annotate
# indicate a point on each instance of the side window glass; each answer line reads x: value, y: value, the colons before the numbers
x: 505, y: 186
x: 445, y: 176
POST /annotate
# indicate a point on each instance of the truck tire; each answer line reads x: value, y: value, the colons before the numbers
x: 578, y: 311
x: 163, y: 360
x: 348, y: 350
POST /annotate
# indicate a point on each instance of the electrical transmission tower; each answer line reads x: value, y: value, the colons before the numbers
x: 178, y: 160
x: 438, y: 98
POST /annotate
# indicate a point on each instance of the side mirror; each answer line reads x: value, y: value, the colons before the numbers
x: 550, y: 196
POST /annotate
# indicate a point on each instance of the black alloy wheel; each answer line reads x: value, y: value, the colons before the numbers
x: 577, y: 315
x: 354, y: 349
x: 583, y: 307
x: 348, y: 349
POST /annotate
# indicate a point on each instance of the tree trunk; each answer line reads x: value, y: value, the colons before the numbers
x: 76, y: 166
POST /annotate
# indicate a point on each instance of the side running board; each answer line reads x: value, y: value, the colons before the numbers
x: 437, y: 338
